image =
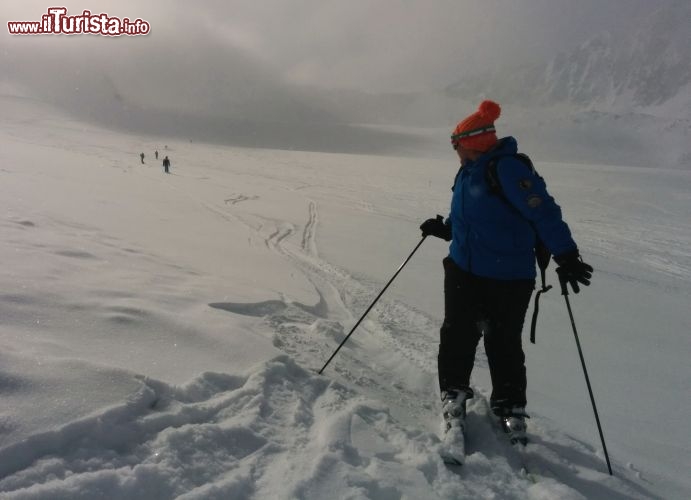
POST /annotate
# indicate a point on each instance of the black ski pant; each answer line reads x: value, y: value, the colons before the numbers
x: 474, y: 305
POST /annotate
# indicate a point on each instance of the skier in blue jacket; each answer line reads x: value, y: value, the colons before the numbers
x: 490, y: 271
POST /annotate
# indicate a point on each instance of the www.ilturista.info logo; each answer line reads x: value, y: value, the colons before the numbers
x: 57, y: 22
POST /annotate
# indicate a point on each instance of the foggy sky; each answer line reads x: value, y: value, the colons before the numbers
x: 372, y: 45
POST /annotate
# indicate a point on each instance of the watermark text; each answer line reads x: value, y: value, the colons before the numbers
x: 57, y: 22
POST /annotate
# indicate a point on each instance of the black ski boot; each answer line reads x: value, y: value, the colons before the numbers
x: 513, y: 423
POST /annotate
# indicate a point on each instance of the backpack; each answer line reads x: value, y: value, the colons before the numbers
x: 542, y: 253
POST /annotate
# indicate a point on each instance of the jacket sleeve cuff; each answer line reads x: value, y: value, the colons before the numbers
x: 567, y: 256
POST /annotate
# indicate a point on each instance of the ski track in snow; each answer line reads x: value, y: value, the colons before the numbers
x: 399, y: 331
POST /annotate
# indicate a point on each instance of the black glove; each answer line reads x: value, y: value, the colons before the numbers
x: 436, y: 227
x: 573, y: 270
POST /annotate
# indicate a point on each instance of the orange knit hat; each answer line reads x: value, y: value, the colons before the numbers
x: 477, y: 132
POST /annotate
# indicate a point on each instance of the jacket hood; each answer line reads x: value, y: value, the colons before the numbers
x: 505, y: 146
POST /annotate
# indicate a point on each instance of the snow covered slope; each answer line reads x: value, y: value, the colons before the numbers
x: 160, y: 334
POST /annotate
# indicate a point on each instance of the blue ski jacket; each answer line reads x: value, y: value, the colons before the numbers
x: 495, y: 236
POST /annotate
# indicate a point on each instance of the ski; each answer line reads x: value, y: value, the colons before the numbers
x: 526, y: 471
x: 452, y: 448
x: 451, y: 460
x: 513, y: 433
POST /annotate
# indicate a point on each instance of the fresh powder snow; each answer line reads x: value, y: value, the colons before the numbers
x: 161, y: 334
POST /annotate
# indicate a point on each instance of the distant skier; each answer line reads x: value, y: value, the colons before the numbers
x: 166, y: 165
x: 490, y: 270
x: 142, y: 158
x: 156, y: 154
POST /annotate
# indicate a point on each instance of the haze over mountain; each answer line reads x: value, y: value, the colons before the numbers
x: 647, y: 69
x: 632, y: 86
x: 165, y: 89
x: 264, y: 83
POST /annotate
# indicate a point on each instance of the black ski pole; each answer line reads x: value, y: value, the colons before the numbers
x: 565, y: 293
x: 372, y: 304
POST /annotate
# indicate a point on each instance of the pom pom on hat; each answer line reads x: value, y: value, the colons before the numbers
x: 489, y: 110
x: 477, y: 131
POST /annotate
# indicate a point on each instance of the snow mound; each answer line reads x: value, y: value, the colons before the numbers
x: 279, y: 431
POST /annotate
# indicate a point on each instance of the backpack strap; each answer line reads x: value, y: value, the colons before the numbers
x: 536, y: 308
x: 493, y: 178
x: 455, y: 179
x: 542, y: 254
